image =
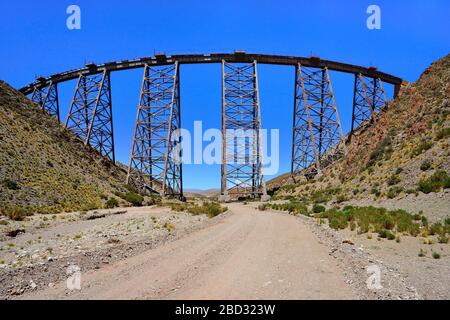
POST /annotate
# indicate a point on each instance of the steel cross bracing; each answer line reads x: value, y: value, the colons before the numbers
x: 90, y: 113
x: 155, y: 160
x: 368, y: 99
x: 317, y: 132
x: 241, y: 132
x: 47, y: 99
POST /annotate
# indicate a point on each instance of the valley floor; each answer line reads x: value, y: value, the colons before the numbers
x: 241, y: 254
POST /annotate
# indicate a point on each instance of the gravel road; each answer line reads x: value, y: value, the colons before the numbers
x: 249, y: 254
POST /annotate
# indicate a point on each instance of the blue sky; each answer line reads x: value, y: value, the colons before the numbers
x: 34, y: 40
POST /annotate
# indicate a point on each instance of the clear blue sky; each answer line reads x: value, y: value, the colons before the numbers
x: 34, y: 41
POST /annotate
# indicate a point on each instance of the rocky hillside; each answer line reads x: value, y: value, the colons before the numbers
x: 45, y: 168
x: 406, y: 151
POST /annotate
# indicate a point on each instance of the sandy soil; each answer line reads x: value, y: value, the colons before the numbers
x: 246, y: 255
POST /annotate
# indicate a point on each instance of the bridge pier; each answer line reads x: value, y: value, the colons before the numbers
x: 47, y: 98
x: 155, y: 159
x: 241, y: 174
x: 317, y: 137
x: 368, y: 99
x: 90, y: 113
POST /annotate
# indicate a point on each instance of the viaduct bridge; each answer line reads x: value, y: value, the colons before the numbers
x: 317, y: 137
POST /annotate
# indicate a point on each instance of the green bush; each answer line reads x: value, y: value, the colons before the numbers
x: 394, y: 191
x: 16, y: 213
x: 425, y: 165
x: 383, y: 149
x: 366, y: 217
x: 435, y: 182
x: 317, y: 208
x: 133, y: 198
x: 445, y: 132
x: 11, y: 184
x: 111, y: 203
x: 392, y: 180
x: 421, y: 147
x: 386, y: 234
x: 436, y: 255
x: 211, y: 209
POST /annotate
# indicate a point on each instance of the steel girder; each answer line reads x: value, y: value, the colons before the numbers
x: 155, y: 160
x: 368, y: 99
x: 90, y: 113
x: 241, y: 132
x: 47, y: 99
x: 317, y: 137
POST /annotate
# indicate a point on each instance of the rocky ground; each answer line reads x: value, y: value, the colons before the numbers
x: 243, y: 253
x: 35, y: 254
x: 405, y: 273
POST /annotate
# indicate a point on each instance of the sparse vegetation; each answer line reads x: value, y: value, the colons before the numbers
x: 211, y: 209
x: 380, y: 220
x: 443, y: 133
x: 435, y: 255
x: 317, y: 208
x: 111, y: 203
x: 435, y: 182
x: 425, y: 165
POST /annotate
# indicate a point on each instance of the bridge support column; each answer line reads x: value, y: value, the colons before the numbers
x: 242, y: 167
x: 90, y: 113
x: 317, y: 137
x: 47, y: 99
x: 368, y: 99
x: 155, y: 160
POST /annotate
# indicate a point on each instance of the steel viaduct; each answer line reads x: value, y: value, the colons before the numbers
x: 155, y: 165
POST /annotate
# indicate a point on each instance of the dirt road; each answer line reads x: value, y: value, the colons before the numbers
x: 248, y: 255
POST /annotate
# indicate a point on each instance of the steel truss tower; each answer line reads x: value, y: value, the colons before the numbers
x: 317, y: 137
x: 90, y: 113
x: 368, y: 99
x: 241, y: 132
x: 47, y: 99
x: 155, y: 160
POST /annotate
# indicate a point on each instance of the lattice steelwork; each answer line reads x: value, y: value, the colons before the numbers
x: 47, y: 99
x: 241, y: 132
x: 90, y: 113
x: 317, y: 133
x: 368, y: 99
x: 155, y: 164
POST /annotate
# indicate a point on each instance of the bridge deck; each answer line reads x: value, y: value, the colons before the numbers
x: 212, y: 58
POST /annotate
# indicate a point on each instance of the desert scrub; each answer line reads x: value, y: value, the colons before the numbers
x: 423, y: 145
x: 383, y: 149
x: 394, y: 192
x: 169, y: 226
x: 393, y: 180
x: 211, y: 209
x: 435, y: 255
x: 442, y: 133
x: 437, y: 181
x: 425, y: 165
x: 111, y: 203
x: 379, y: 219
x: 293, y: 207
x: 16, y: 213
x: 317, y: 208
x: 131, y: 197
x: 422, y: 253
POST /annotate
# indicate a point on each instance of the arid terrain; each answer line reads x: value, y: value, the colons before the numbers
x: 242, y: 253
x: 375, y: 224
